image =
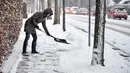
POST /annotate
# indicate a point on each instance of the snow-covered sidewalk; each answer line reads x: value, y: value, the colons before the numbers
x: 65, y: 58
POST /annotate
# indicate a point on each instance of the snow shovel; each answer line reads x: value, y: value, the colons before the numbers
x: 57, y: 39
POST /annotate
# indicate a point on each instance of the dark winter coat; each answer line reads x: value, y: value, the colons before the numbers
x: 38, y: 17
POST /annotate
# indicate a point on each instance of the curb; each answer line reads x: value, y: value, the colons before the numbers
x: 12, y: 59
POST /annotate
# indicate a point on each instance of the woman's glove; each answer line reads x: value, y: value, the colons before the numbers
x: 37, y: 27
x: 48, y: 34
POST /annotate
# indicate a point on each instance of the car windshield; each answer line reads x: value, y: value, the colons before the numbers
x: 82, y: 9
x: 75, y: 8
x: 120, y: 10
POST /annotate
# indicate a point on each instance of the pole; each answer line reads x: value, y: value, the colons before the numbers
x: 89, y: 28
x: 64, y: 27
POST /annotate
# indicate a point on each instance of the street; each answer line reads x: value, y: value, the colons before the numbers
x: 116, y: 33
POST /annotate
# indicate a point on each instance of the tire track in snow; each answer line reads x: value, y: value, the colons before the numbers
x: 108, y: 21
x: 83, y: 30
x: 112, y: 28
x: 121, y: 52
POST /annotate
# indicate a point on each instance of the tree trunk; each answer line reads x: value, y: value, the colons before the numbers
x: 10, y: 25
x: 49, y: 6
x: 32, y: 6
x: 49, y: 3
x: 28, y: 6
x: 56, y: 15
x: 24, y: 10
x: 59, y: 10
x: 42, y: 5
x: 98, y: 48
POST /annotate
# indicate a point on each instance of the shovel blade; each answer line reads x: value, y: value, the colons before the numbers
x: 61, y: 40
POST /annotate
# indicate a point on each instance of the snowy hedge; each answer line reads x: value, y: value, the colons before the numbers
x: 10, y: 24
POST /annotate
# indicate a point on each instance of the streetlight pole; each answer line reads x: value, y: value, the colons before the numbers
x: 89, y: 28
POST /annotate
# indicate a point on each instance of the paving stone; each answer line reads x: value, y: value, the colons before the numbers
x: 39, y: 63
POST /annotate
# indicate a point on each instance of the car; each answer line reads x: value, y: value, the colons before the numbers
x: 126, y: 4
x: 117, y: 12
x: 67, y: 10
x: 82, y: 11
x: 74, y: 10
x: 93, y: 10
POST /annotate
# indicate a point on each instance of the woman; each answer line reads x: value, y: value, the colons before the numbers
x: 31, y: 24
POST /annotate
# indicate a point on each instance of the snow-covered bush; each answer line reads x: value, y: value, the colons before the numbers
x: 10, y: 24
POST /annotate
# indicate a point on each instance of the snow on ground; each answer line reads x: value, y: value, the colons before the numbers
x: 119, y: 38
x: 74, y: 57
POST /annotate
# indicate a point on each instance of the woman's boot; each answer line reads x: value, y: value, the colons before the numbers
x: 34, y: 48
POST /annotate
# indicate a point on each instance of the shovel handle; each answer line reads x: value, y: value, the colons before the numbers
x: 49, y: 35
x: 56, y: 39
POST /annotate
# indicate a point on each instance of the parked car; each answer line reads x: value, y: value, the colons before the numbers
x: 74, y: 10
x: 117, y: 12
x: 67, y: 10
x: 126, y: 4
x: 93, y: 10
x: 82, y: 11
